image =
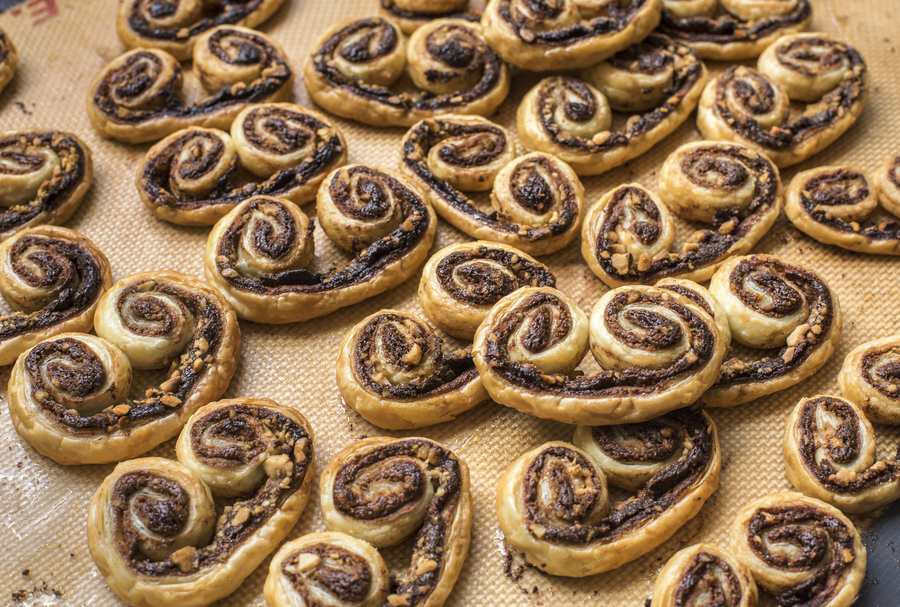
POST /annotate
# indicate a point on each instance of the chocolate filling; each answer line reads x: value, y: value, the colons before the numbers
x: 394, y: 11
x: 341, y: 574
x: 701, y: 583
x: 483, y: 284
x: 55, y: 192
x: 228, y: 12
x: 460, y: 35
x: 727, y: 29
x: 663, y: 491
x: 367, y: 264
x: 620, y: 14
x: 244, y: 518
x: 394, y: 460
x: 652, y: 441
x: 881, y: 376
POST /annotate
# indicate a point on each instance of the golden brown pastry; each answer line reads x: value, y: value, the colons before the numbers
x: 382, y: 490
x: 803, y: 551
x: 9, y: 60
x: 870, y: 378
x: 461, y: 283
x: 704, y: 575
x: 135, y: 98
x: 258, y: 254
x: 829, y: 454
x: 327, y: 570
x: 175, y: 26
x: 537, y: 199
x: 43, y: 177
x: 773, y: 303
x: 410, y: 15
x: 192, y: 177
x: 53, y: 277
x: 628, y: 235
x: 152, y: 525
x: 659, y: 352
x: 657, y: 81
x: 68, y: 395
x: 831, y: 203
x: 703, y: 298
x: 392, y: 371
x: 742, y: 32
x: 552, y: 503
x: 355, y: 63
x: 888, y: 184
x: 541, y: 35
x: 752, y: 107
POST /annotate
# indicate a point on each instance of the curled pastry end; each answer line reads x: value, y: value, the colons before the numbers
x: 799, y: 314
x: 800, y: 549
x: 54, y: 278
x: 700, y: 571
x: 829, y: 454
x: 153, y: 530
x: 552, y: 502
x: 392, y: 370
x: 148, y: 320
x: 659, y: 351
x: 461, y: 283
x: 870, y: 378
x: 383, y: 490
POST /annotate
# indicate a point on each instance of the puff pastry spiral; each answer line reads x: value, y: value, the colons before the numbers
x: 135, y: 98
x: 410, y: 15
x: 704, y: 575
x: 152, y: 525
x: 356, y: 62
x: 537, y: 199
x: 68, y: 395
x: 553, y: 505
x: 628, y: 236
x: 752, y: 107
x: 382, y: 490
x: 197, y: 175
x: 259, y: 254
x: 659, y: 351
x: 657, y: 81
x: 870, y: 378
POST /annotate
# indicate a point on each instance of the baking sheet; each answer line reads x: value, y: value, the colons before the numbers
x: 43, y: 506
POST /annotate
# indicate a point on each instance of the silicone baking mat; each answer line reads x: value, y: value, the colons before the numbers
x: 43, y: 506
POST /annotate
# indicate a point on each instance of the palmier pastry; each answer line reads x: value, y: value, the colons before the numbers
x: 543, y: 35
x: 803, y: 551
x: 175, y: 27
x: 135, y: 98
x: 703, y: 575
x: 461, y: 283
x: 53, y: 278
x: 829, y: 454
x: 657, y: 81
x: 68, y: 395
x: 192, y: 177
x: 152, y: 525
x: 830, y: 203
x: 9, y: 60
x: 870, y: 378
x: 258, y: 255
x: 753, y: 107
x: 888, y: 183
x: 410, y: 15
x: 658, y: 349
x: 43, y: 177
x: 392, y: 371
x: 553, y: 505
x: 356, y: 61
x: 703, y: 298
x: 327, y: 569
x: 773, y: 303
x: 537, y: 199
x: 629, y: 235
x: 743, y: 32
x: 382, y: 490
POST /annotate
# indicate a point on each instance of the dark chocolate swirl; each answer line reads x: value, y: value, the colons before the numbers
x: 484, y: 275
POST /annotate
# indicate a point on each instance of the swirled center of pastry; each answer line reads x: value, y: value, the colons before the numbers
x: 650, y: 441
x: 332, y: 569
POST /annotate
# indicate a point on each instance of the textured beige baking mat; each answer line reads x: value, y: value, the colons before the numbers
x: 43, y: 506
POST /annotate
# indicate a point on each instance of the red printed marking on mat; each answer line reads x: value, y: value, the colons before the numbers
x: 38, y: 10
